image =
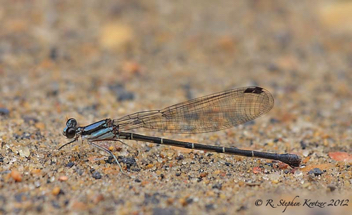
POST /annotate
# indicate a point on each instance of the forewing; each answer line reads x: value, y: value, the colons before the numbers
x: 205, y: 114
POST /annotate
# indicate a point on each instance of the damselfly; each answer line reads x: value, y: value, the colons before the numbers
x: 205, y: 114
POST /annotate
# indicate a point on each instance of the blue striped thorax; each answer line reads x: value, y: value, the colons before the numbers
x: 101, y: 130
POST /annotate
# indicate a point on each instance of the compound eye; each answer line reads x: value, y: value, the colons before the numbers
x: 71, y: 123
x: 70, y: 133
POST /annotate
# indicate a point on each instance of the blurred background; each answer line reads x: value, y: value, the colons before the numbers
x: 164, y: 52
x: 105, y: 59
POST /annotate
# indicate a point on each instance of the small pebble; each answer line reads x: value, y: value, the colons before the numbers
x: 79, y: 206
x: 39, y: 208
x: 303, y: 144
x: 40, y: 125
x: 150, y: 166
x: 144, y: 183
x: 36, y: 171
x: 180, y: 157
x: 56, y: 191
x: 209, y: 207
x: 316, y: 172
x: 66, y: 202
x: 132, y: 68
x: 53, y: 53
x: 121, y: 93
x: 282, y: 165
x: 30, y: 119
x: 228, y: 164
x: 98, y: 198
x: 216, y: 172
x: 166, y: 211
x: 183, y: 202
x: 189, y: 201
x: 125, y: 96
x: 217, y: 186
x: 16, y: 175
x: 274, y: 177
x: 4, y: 112
x: 19, y: 197
x: 305, y: 185
x: 70, y: 164
x: 305, y: 153
x: 63, y: 178
x: 257, y: 170
x: 269, y: 164
x: 273, y: 121
x: 24, y: 152
x: 129, y: 161
x: 298, y: 173
x: 203, y: 174
x: 96, y: 175
x: 55, y: 204
x: 331, y: 187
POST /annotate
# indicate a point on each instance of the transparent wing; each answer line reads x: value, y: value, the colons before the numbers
x: 205, y: 114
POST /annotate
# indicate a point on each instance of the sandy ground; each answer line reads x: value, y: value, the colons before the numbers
x: 105, y: 59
